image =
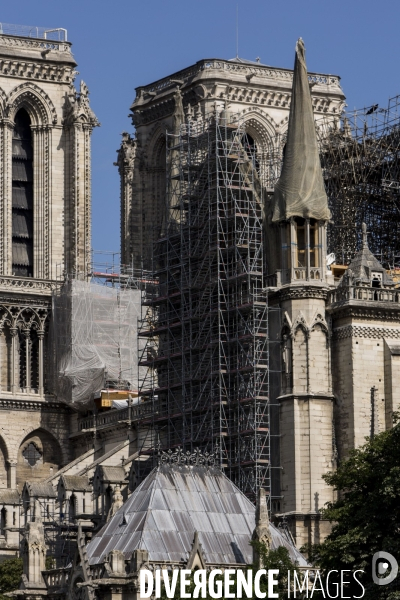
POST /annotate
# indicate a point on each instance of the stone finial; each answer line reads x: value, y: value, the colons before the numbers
x: 364, y: 235
x: 179, y: 113
x: 116, y: 561
x: 33, y: 549
x: 262, y: 532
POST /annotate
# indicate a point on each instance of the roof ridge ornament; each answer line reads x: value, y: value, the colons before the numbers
x: 197, y: 458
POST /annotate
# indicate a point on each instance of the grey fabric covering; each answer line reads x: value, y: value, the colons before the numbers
x: 300, y: 191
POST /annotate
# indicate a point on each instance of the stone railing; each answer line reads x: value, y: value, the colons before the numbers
x: 300, y: 274
x: 364, y: 294
x: 57, y: 578
x: 116, y: 415
x: 26, y: 42
x: 28, y: 284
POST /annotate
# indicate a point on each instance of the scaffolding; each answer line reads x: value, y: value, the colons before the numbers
x: 361, y: 163
x: 205, y: 324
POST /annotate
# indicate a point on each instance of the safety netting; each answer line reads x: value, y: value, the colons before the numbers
x: 94, y: 340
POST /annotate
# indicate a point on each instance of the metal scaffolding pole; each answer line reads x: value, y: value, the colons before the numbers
x: 205, y: 326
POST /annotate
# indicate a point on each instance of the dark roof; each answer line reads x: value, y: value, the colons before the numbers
x: 111, y: 474
x: 76, y: 483
x: 173, y: 503
x: 40, y: 489
x: 8, y: 496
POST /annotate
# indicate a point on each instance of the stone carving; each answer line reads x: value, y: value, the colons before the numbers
x: 190, y: 459
x: 77, y: 107
x: 264, y: 72
x: 262, y: 532
x: 33, y: 549
x: 117, y: 502
x: 365, y: 331
x: 37, y: 98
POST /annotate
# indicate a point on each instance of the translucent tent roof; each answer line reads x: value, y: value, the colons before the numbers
x: 172, y: 503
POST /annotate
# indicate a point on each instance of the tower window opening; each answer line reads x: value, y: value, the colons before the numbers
x: 22, y: 196
x: 301, y: 243
x: 314, y: 244
x: 250, y: 147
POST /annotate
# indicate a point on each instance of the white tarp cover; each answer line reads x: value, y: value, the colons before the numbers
x: 300, y: 190
x: 94, y: 340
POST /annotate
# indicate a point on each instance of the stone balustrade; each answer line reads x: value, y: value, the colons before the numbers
x: 364, y: 294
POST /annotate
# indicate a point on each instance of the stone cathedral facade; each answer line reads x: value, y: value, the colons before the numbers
x: 336, y: 336
x: 64, y: 472
x: 45, y: 220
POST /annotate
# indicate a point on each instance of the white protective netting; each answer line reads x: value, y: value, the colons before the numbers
x: 93, y: 340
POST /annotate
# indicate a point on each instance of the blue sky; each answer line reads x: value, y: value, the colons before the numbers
x: 122, y: 44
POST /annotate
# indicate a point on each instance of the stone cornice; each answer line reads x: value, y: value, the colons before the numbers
x: 154, y: 109
x: 28, y: 285
x: 306, y: 396
x: 384, y: 311
x: 33, y: 405
x: 37, y: 71
x: 229, y: 68
x: 295, y: 292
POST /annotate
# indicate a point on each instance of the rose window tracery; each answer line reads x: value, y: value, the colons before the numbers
x: 32, y: 454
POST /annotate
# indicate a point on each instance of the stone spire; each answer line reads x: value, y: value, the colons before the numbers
x: 300, y: 191
x: 262, y: 532
x: 365, y: 268
x: 33, y: 551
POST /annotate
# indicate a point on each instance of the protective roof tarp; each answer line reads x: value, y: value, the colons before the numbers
x: 170, y: 505
x: 300, y: 190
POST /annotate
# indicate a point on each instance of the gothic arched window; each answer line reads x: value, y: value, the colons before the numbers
x: 22, y: 196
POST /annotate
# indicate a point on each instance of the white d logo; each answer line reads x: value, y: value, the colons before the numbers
x: 390, y: 561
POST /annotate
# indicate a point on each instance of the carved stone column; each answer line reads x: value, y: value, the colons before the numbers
x: 28, y: 346
x: 293, y: 247
x: 41, y: 184
x: 6, y: 132
x: 308, y: 249
x: 41, y: 365
x: 12, y: 474
x: 13, y: 332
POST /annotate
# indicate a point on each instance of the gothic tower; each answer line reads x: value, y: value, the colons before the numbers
x: 45, y: 212
x: 297, y: 215
x: 259, y: 95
